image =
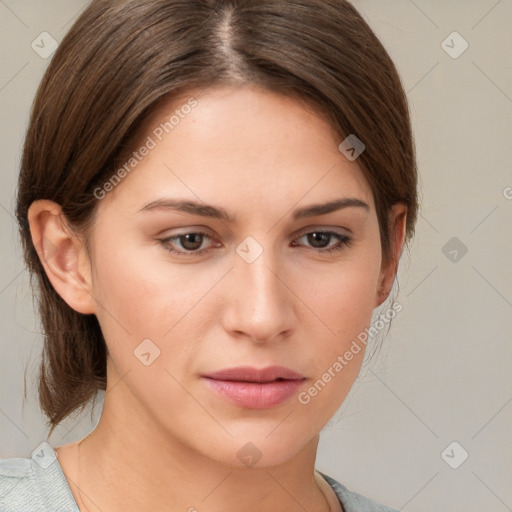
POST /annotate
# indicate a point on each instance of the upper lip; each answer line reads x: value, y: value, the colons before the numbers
x: 250, y: 374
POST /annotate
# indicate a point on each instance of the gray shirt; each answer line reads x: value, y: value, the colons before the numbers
x: 38, y: 484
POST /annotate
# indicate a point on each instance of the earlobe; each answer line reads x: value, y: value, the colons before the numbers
x: 397, y: 239
x: 62, y: 255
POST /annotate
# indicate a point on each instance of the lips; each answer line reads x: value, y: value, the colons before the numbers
x: 249, y: 374
x: 255, y: 389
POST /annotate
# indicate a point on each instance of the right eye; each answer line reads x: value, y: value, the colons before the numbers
x: 189, y: 242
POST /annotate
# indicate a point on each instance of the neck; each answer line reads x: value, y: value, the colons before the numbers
x: 128, y: 464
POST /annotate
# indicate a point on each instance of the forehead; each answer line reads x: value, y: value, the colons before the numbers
x: 238, y: 145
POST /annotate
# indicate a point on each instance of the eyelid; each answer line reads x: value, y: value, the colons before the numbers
x: 340, y: 230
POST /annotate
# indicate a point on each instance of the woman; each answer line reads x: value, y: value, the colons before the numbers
x: 214, y: 197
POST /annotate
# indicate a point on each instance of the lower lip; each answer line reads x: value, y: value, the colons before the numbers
x: 254, y: 395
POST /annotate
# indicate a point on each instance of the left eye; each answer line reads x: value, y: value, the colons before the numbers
x: 318, y: 240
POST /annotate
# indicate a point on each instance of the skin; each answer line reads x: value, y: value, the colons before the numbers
x: 164, y: 437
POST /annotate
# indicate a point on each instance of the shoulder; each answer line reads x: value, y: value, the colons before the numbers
x: 353, y: 502
x: 35, y: 484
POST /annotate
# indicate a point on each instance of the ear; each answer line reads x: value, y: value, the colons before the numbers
x: 397, y: 224
x: 62, y: 254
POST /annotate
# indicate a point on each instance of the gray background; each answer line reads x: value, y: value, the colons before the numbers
x: 443, y: 374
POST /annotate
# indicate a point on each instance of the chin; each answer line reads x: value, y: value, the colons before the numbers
x: 258, y: 450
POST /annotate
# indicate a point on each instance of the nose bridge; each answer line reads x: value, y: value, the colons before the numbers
x: 262, y: 302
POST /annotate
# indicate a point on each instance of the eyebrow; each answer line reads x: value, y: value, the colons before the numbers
x: 216, y: 212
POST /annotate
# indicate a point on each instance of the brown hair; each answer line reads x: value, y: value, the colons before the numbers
x: 122, y: 58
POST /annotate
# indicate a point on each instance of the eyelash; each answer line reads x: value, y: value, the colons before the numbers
x: 344, y: 241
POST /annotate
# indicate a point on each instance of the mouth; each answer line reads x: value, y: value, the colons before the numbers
x: 251, y: 388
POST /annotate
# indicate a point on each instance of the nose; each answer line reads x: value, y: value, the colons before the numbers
x: 259, y: 303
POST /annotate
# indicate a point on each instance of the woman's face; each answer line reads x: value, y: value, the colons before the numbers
x: 256, y: 285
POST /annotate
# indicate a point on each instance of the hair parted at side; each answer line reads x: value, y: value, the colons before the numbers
x: 121, y: 58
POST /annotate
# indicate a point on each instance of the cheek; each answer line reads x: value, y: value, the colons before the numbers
x: 137, y: 290
x: 346, y: 309
x: 143, y: 312
x: 342, y: 300
x: 341, y: 296
x: 147, y: 297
